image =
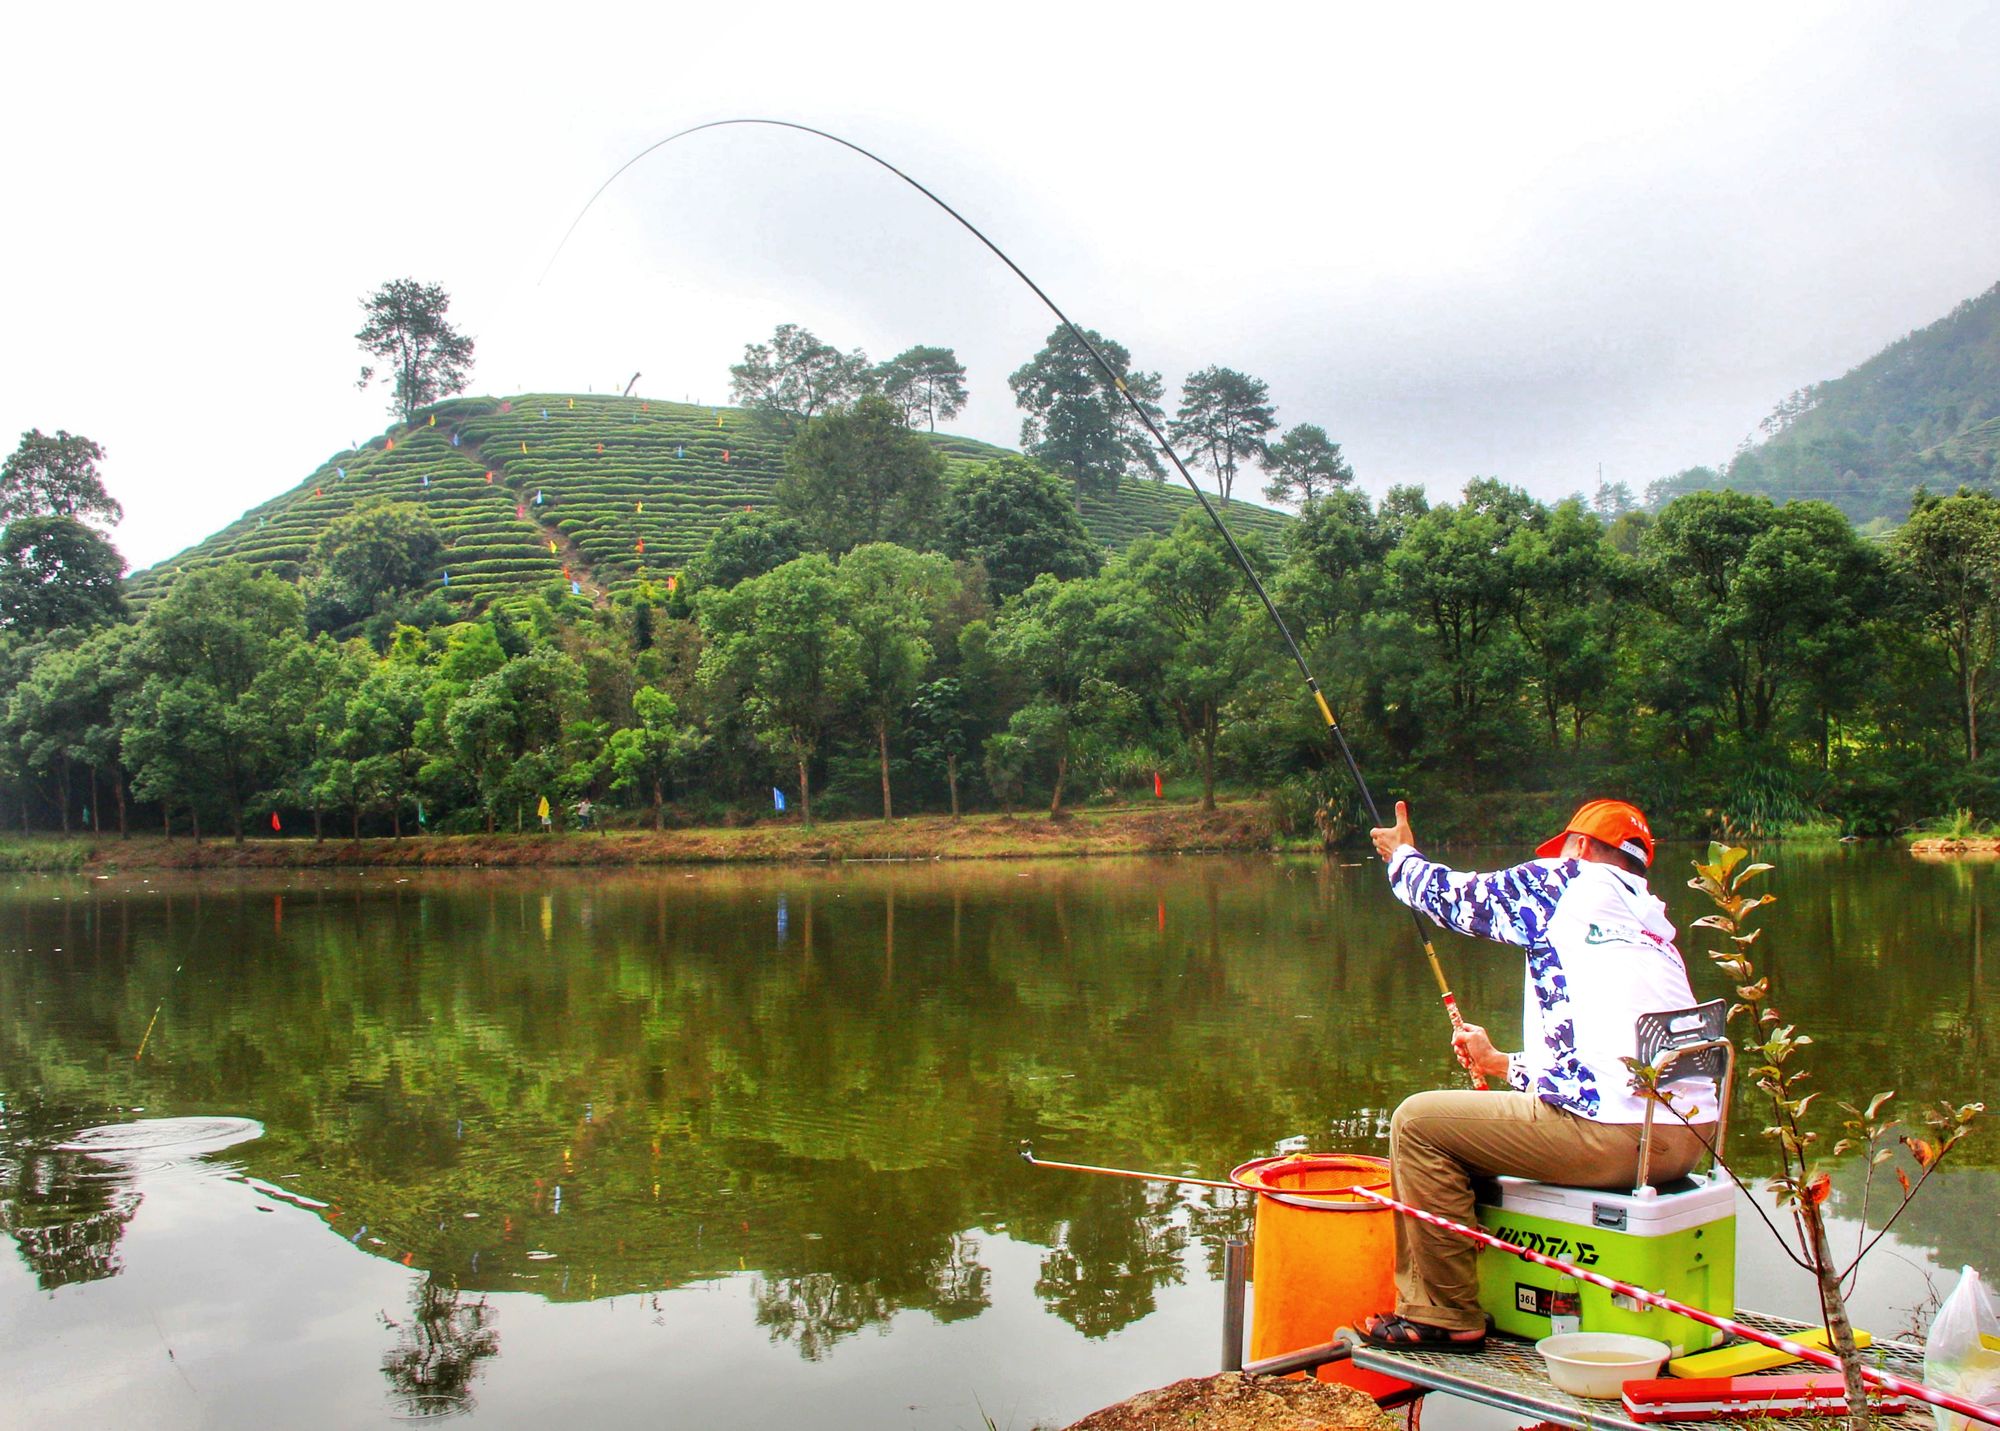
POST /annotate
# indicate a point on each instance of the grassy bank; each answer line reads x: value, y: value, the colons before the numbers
x: 1238, y: 825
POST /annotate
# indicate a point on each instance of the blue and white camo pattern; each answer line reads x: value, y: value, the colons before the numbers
x: 1513, y: 906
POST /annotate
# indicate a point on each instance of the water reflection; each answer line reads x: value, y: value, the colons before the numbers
x: 812, y: 1080
x: 439, y: 1348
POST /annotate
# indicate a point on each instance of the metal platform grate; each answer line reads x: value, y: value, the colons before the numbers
x: 1508, y: 1374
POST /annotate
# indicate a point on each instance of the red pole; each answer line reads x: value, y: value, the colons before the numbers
x: 1728, y: 1325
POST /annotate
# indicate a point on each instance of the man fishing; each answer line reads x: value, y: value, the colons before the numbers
x: 1600, y: 953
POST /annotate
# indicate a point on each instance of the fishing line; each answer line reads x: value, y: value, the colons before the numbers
x: 1146, y: 420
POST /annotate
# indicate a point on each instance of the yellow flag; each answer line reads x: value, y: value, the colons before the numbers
x: 542, y: 809
x: 434, y: 420
x: 552, y: 546
x: 718, y: 419
x: 572, y: 402
x: 524, y: 449
x: 639, y: 508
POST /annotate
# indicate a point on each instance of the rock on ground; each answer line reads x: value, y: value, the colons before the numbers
x: 1232, y: 1401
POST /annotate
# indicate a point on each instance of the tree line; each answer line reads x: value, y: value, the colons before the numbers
x: 895, y: 637
x: 1077, y: 421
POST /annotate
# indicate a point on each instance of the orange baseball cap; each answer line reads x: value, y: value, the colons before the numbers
x: 1618, y: 824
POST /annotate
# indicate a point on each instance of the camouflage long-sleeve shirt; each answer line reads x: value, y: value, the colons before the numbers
x: 1600, y: 953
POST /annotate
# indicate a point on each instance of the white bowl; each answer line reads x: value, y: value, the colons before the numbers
x: 1598, y: 1364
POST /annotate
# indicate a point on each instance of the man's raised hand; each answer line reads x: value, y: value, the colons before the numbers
x: 1389, y: 838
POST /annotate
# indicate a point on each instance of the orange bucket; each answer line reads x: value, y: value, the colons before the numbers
x: 1319, y: 1263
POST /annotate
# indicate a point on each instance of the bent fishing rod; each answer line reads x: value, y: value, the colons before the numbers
x: 1145, y: 419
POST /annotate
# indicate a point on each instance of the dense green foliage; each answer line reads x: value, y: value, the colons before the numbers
x: 1923, y: 412
x: 1733, y: 664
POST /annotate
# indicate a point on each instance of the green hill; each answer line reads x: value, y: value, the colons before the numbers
x: 624, y: 488
x: 1923, y: 412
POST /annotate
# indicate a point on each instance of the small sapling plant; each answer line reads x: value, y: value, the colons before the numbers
x: 1770, y: 1052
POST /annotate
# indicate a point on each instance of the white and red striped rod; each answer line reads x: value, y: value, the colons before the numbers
x: 1916, y: 1390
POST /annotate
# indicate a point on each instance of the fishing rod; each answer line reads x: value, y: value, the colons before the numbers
x: 1138, y: 408
x: 1729, y: 1326
x: 1332, y: 1195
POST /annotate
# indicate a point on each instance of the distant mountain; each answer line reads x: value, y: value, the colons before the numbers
x: 603, y: 491
x: 1923, y: 412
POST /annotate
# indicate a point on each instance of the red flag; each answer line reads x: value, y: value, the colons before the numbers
x: 1159, y: 790
x: 489, y: 476
x: 274, y: 821
x: 725, y: 454
x: 642, y: 545
x: 392, y: 445
x: 319, y: 492
x: 600, y: 449
x: 521, y: 509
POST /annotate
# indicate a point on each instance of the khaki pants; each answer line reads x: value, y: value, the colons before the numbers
x: 1439, y: 1142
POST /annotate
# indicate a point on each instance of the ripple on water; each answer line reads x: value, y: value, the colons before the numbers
x: 155, y: 1144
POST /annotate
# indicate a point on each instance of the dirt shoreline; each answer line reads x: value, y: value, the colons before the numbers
x: 1239, y: 825
x: 1985, y: 847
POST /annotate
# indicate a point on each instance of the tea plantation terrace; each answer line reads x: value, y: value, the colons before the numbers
x: 608, y: 490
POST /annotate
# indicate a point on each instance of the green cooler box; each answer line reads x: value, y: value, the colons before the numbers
x: 1680, y: 1242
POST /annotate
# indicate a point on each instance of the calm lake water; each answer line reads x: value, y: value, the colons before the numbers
x: 736, y: 1147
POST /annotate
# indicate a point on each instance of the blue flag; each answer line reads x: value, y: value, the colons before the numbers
x: 576, y: 588
x: 778, y: 798
x: 447, y: 578
x: 340, y: 471
x: 454, y: 439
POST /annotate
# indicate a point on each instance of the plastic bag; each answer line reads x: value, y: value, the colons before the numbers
x: 1963, y: 1354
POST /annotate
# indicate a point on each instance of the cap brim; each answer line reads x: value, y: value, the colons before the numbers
x: 1552, y: 848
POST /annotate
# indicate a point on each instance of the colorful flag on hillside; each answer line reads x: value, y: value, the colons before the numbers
x: 645, y: 407
x: 521, y: 511
x: 538, y: 496
x: 319, y: 492
x: 447, y: 578
x: 524, y: 449
x: 340, y: 472
x: 506, y: 407
x: 489, y: 476
x: 427, y: 479
x: 1159, y: 790
x: 454, y: 440
x: 542, y: 810
x: 389, y: 445
x: 642, y: 546
x: 778, y: 799
x: 600, y: 449
x: 576, y: 588
x: 725, y: 454
x: 680, y: 452
x: 673, y: 584
x: 545, y: 414
x: 639, y: 509
x: 434, y: 420
x: 420, y: 814
x: 718, y: 417
x: 274, y: 822
x: 572, y: 402
x: 552, y: 546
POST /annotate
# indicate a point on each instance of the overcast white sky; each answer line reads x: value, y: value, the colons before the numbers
x: 1508, y: 240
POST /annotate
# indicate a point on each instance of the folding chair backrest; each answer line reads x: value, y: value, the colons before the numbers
x: 1676, y: 1028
